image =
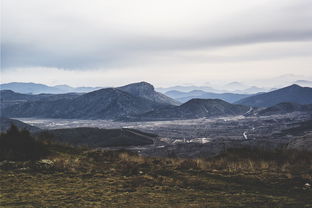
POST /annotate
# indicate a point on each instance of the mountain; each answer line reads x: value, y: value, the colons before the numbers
x: 34, y: 88
x: 186, y: 96
x: 195, y: 108
x: 5, y: 124
x: 283, y: 108
x: 64, y: 88
x: 95, y: 137
x: 234, y: 86
x: 293, y: 94
x: 146, y: 90
x: 107, y: 103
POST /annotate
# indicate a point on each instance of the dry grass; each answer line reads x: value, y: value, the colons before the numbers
x: 86, y: 178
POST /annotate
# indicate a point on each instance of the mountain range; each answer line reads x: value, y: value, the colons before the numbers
x: 195, y: 108
x: 140, y: 101
x: 233, y: 87
x: 293, y: 94
x: 107, y: 103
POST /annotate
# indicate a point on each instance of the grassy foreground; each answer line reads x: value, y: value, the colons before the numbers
x: 38, y: 173
x: 77, y: 177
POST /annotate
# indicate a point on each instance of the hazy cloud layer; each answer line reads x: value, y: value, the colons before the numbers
x: 141, y: 34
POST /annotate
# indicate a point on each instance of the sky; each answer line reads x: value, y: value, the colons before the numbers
x: 164, y: 42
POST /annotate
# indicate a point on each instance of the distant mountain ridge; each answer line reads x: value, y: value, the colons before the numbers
x: 188, y: 88
x: 233, y: 87
x: 305, y: 83
x: 293, y: 94
x: 34, y: 88
x: 186, y: 96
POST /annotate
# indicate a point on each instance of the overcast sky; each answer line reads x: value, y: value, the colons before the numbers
x: 165, y: 42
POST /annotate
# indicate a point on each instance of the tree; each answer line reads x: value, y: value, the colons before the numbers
x: 18, y: 144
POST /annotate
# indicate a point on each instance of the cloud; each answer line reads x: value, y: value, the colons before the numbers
x: 114, y: 42
x: 113, y: 34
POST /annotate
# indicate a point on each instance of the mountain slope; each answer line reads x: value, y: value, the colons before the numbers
x: 186, y: 96
x: 96, y: 137
x: 293, y: 93
x: 195, y: 108
x: 146, y: 90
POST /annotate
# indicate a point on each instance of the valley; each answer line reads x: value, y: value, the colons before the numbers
x: 230, y: 127
x: 196, y: 137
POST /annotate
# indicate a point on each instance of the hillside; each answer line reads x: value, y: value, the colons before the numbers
x: 94, y: 137
x: 283, y: 108
x: 195, y: 108
x: 293, y: 94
